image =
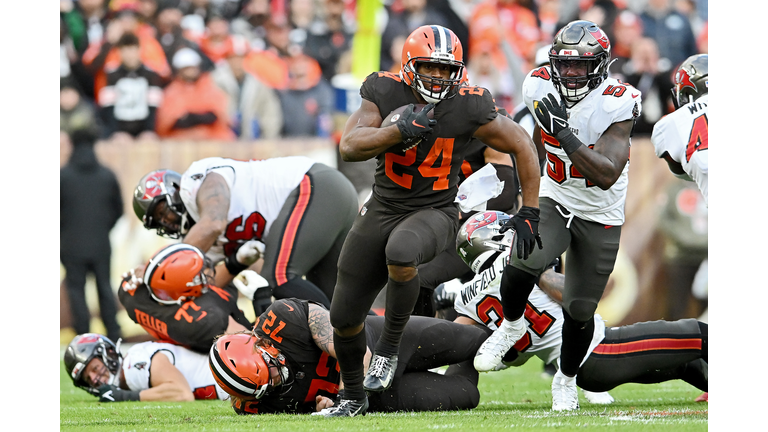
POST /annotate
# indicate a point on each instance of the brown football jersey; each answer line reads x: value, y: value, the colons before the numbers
x: 313, y: 372
x: 426, y: 175
x: 193, y: 324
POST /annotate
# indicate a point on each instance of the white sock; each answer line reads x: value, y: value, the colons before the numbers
x: 512, y: 325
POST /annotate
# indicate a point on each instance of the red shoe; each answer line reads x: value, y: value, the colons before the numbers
x: 703, y: 398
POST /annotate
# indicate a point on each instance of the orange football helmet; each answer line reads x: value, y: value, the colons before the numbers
x: 241, y: 364
x: 434, y: 44
x: 177, y: 273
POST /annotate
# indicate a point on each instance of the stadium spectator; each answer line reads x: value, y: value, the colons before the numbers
x: 254, y: 108
x: 670, y: 29
x: 174, y: 299
x: 251, y: 23
x: 292, y: 211
x: 74, y: 111
x: 97, y: 366
x: 643, y: 71
x: 70, y: 67
x: 270, y: 65
x: 217, y: 41
x: 307, y: 103
x: 485, y: 73
x: 509, y: 20
x: 402, y: 21
x: 193, y: 106
x: 171, y: 35
x: 305, y: 341
x: 90, y: 205
x: 627, y: 29
x: 103, y: 57
x: 328, y: 39
x: 85, y: 21
x: 133, y: 92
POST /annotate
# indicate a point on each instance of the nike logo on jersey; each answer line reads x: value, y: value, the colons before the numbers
x: 289, y: 307
x: 635, y: 95
x: 202, y: 315
x: 417, y: 125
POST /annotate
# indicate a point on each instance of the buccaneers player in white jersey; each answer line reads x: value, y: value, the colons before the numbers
x: 682, y: 137
x: 584, y: 121
x: 647, y: 352
x: 293, y: 212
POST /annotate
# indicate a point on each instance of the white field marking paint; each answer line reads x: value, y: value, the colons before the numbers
x: 447, y: 426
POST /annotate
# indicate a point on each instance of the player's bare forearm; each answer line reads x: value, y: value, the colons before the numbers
x: 603, y: 164
x: 320, y: 326
x: 552, y: 283
x: 167, y: 392
x: 363, y: 143
x: 213, y: 203
x: 363, y: 138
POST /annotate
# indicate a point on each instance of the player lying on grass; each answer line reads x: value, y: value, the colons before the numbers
x: 647, y: 352
x: 288, y: 364
x: 174, y: 299
x: 150, y: 371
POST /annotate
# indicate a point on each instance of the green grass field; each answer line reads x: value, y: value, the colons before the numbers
x: 517, y: 399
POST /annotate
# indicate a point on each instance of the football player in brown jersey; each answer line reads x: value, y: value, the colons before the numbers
x: 174, y: 300
x: 288, y: 363
x: 411, y: 215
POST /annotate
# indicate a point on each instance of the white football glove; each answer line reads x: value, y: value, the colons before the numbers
x: 250, y: 252
x: 248, y: 282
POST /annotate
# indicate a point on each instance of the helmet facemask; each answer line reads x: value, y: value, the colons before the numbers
x: 479, y: 241
x: 426, y: 85
x: 242, y: 365
x: 154, y: 188
x: 575, y: 88
x: 88, y: 347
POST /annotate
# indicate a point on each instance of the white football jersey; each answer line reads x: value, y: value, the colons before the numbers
x: 684, y: 134
x: 193, y: 365
x: 611, y: 102
x: 258, y: 190
x: 480, y: 300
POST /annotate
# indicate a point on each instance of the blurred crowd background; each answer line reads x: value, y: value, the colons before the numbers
x: 148, y: 84
x: 247, y: 69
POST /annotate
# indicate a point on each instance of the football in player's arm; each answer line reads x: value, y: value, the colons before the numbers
x: 411, y: 215
x: 150, y: 371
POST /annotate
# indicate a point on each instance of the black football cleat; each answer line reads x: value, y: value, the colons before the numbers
x: 345, y: 408
x: 380, y: 373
